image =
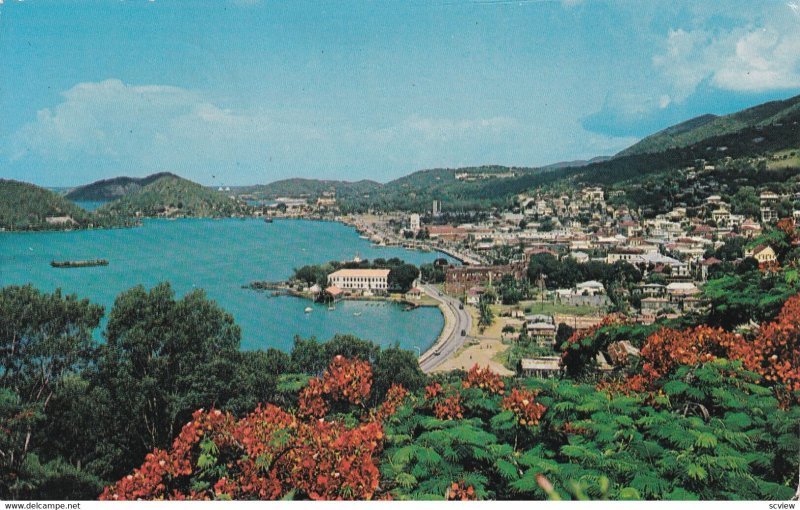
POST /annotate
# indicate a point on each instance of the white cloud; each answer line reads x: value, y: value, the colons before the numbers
x: 743, y: 59
x: 113, y: 127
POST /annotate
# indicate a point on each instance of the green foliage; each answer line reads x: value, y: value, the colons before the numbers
x: 402, y: 277
x: 567, y: 272
x: 44, y: 340
x: 164, y: 358
x: 738, y: 298
x: 432, y: 273
x: 395, y: 366
x: 486, y: 315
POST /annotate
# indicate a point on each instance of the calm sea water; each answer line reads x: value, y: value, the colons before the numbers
x: 220, y: 256
x: 90, y: 206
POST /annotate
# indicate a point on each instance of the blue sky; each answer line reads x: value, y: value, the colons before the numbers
x: 248, y: 91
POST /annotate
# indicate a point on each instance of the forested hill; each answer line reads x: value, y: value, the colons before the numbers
x: 174, y: 197
x: 25, y: 206
x: 310, y: 188
x: 707, y: 126
x: 111, y: 189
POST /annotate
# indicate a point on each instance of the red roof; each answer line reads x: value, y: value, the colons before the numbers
x: 333, y: 290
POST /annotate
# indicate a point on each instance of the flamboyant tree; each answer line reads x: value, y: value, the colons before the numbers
x: 272, y: 453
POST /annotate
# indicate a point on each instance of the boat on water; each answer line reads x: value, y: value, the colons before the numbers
x: 357, y: 314
x: 308, y: 309
x: 78, y: 263
x: 267, y: 220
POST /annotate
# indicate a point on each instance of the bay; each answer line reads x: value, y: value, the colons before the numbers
x: 220, y: 256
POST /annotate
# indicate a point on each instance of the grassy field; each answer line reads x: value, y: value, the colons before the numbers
x: 792, y: 160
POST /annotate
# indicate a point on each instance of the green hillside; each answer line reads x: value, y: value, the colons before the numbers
x: 174, y: 197
x: 707, y: 126
x: 24, y: 206
x: 111, y: 189
x: 309, y: 188
x: 459, y: 189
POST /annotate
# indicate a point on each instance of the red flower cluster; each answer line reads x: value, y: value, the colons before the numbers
x: 775, y: 352
x: 445, y: 403
x: 311, y: 403
x: 484, y: 379
x: 272, y: 452
x: 459, y: 491
x: 449, y: 407
x: 348, y: 380
x: 432, y: 391
x: 524, y: 407
x: 344, y: 380
x: 394, y: 399
x: 788, y: 227
x: 668, y: 348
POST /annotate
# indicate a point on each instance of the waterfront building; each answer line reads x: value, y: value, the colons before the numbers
x: 362, y: 281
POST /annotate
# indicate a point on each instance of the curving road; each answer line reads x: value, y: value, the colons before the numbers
x: 450, y: 340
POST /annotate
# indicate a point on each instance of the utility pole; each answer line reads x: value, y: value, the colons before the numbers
x: 540, y: 283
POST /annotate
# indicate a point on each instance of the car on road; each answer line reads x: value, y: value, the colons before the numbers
x: 463, y: 333
x: 461, y: 306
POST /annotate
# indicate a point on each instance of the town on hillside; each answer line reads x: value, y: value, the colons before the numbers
x: 559, y: 262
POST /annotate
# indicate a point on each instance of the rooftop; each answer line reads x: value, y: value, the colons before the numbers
x: 369, y: 273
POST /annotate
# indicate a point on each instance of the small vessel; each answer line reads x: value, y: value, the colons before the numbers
x: 308, y: 309
x: 357, y: 314
x: 267, y: 220
x: 78, y: 263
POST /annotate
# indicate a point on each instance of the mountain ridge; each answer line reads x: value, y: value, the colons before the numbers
x: 105, y: 190
x: 694, y: 130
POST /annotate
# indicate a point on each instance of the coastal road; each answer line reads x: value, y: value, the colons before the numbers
x: 450, y: 340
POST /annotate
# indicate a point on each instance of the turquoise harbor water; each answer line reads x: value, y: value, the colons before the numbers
x: 220, y: 256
